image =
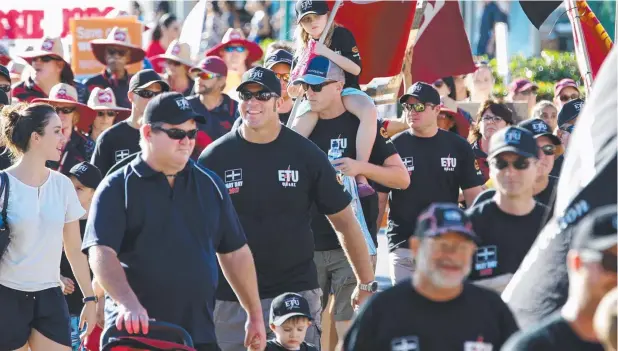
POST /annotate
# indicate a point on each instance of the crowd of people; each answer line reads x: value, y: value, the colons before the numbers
x: 192, y: 194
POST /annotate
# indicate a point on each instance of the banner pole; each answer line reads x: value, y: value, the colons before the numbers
x: 580, y: 44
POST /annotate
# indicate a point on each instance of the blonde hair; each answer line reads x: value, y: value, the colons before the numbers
x: 537, y: 111
x: 302, y: 37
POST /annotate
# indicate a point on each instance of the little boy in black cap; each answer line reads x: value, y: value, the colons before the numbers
x: 290, y: 318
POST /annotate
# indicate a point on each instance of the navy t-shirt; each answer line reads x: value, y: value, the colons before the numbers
x: 273, y: 187
x: 166, y: 239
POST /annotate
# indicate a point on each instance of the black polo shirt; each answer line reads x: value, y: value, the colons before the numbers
x: 114, y: 144
x: 342, y: 130
x: 120, y: 87
x: 273, y: 187
x: 218, y: 121
x: 167, y: 240
x: 438, y: 166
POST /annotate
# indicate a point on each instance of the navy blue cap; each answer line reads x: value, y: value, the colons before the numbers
x: 306, y: 7
x: 423, y: 92
x: 513, y: 139
x: 146, y: 77
x: 288, y: 305
x: 597, y: 230
x: 262, y: 76
x: 5, y: 72
x: 172, y: 108
x: 442, y: 218
x: 320, y: 70
x: 87, y: 174
x: 570, y: 111
x: 278, y: 56
x: 539, y: 128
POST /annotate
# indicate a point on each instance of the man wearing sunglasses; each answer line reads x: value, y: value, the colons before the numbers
x: 566, y: 123
x: 122, y: 139
x: 591, y: 265
x: 564, y: 91
x: 275, y: 177
x: 5, y: 82
x: 220, y: 110
x: 508, y: 223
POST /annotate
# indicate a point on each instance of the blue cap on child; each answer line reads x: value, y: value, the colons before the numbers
x: 286, y: 306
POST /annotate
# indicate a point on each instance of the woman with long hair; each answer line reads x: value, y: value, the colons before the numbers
x: 167, y: 30
x: 43, y: 215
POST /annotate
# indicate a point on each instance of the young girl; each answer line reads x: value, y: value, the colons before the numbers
x: 339, y: 47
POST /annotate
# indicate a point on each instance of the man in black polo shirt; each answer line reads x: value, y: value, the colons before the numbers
x: 439, y: 163
x: 156, y: 229
x: 508, y: 223
x: 122, y: 139
x: 437, y: 311
x: 274, y: 177
x: 591, y: 264
x: 337, y: 128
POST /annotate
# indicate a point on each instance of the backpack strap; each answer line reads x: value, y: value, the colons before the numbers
x: 4, y: 190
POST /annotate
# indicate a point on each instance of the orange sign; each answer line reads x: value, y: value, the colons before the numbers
x: 84, y: 30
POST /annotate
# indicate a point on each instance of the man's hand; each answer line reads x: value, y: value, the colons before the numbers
x: 132, y: 317
x: 67, y: 285
x: 359, y: 297
x: 255, y: 337
x: 348, y: 166
x: 88, y: 317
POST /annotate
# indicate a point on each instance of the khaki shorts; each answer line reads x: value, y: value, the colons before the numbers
x: 230, y: 319
x: 335, y: 276
x: 402, y: 265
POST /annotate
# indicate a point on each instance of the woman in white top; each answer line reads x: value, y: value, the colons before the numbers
x: 42, y: 213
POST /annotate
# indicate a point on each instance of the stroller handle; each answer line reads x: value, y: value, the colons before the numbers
x: 156, y: 326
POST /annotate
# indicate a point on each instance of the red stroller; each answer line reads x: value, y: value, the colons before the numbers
x: 176, y: 339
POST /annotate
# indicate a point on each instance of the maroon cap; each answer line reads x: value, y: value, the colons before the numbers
x: 521, y: 84
x: 211, y: 64
x: 564, y: 83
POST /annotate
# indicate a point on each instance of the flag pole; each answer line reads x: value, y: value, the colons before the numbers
x: 581, y: 53
x: 406, y: 68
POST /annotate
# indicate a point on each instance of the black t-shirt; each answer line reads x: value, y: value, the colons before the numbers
x: 273, y: 345
x: 557, y: 166
x: 284, y: 117
x: 5, y: 158
x: 74, y: 300
x: 342, y: 131
x: 438, y: 166
x: 114, y: 144
x: 402, y: 319
x: 273, y: 187
x: 554, y: 333
x: 505, y: 238
x: 547, y: 196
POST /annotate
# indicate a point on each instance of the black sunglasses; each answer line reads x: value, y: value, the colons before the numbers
x: 607, y: 260
x: 119, y: 52
x: 146, y: 94
x: 549, y: 149
x: 519, y: 164
x: 316, y: 87
x: 172, y: 63
x: 5, y: 88
x: 178, y: 134
x: 565, y: 98
x: 65, y: 110
x: 107, y: 113
x: 261, y: 95
x: 45, y: 59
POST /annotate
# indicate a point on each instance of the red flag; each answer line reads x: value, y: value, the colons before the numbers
x: 381, y: 29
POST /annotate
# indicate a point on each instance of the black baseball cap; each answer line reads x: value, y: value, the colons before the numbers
x: 306, y: 7
x: 87, y: 174
x: 423, y: 92
x: 320, y: 70
x: 539, y: 128
x: 570, y: 111
x: 278, y: 56
x: 288, y: 305
x: 262, y: 76
x: 4, y: 99
x: 597, y: 230
x: 513, y: 139
x: 146, y: 77
x: 442, y: 218
x: 5, y: 72
x: 172, y: 108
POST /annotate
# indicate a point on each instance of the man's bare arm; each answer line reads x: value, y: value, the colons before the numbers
x: 471, y: 194
x: 239, y: 270
x: 110, y: 275
x: 392, y: 173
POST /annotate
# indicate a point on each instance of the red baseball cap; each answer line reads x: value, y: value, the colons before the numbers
x: 522, y: 84
x: 564, y: 83
x: 211, y: 64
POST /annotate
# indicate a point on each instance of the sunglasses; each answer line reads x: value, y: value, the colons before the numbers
x: 492, y: 119
x: 528, y: 92
x: 261, y: 95
x: 208, y: 75
x: 607, y: 260
x: 235, y: 48
x: 549, y: 149
x: 119, y: 52
x: 520, y: 163
x: 178, y: 134
x: 568, y: 128
x: 65, y: 110
x: 5, y: 88
x: 146, y: 94
x: 172, y: 63
x: 565, y: 98
x: 316, y: 88
x: 44, y: 59
x: 107, y: 113
x: 284, y: 77
x: 417, y: 107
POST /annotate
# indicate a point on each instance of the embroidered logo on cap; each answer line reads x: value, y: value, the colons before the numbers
x: 105, y: 97
x: 578, y: 106
x: 183, y: 104
x: 292, y: 303
x: 513, y: 136
x: 257, y: 74
x: 452, y: 216
x: 47, y: 45
x: 63, y: 95
x: 120, y: 36
x: 82, y: 168
x: 306, y: 4
x: 176, y: 50
x: 417, y: 88
x: 539, y: 127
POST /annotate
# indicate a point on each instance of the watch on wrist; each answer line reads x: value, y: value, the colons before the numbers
x: 371, y: 287
x: 90, y: 298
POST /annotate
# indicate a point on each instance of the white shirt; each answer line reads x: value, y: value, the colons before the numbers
x: 36, y: 217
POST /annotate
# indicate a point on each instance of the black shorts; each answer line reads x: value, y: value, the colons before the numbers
x: 45, y: 310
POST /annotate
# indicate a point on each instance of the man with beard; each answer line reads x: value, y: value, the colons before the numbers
x: 220, y: 110
x: 437, y: 310
x: 591, y: 263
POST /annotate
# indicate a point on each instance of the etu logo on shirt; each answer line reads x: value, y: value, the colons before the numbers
x: 340, y: 143
x: 448, y: 163
x: 405, y: 343
x: 288, y: 177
